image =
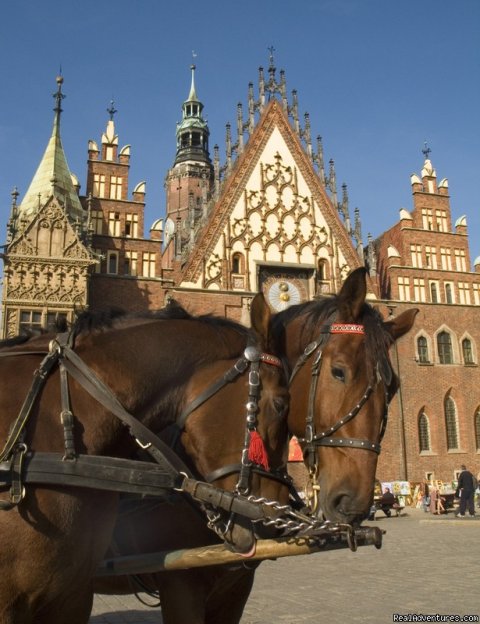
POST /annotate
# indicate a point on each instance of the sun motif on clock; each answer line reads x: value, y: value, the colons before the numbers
x: 282, y: 293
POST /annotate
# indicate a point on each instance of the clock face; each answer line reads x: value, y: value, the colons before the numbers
x: 282, y: 293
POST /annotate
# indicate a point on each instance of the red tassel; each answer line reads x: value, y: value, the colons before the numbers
x: 256, y: 451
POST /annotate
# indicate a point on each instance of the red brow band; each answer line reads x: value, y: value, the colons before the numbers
x: 346, y: 328
x: 271, y: 359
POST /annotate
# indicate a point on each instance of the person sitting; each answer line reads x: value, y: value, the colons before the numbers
x: 387, y: 502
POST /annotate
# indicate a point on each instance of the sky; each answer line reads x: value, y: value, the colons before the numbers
x: 379, y: 78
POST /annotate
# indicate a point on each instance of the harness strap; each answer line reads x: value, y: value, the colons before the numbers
x: 237, y: 369
x: 343, y: 421
x: 225, y: 471
x: 88, y: 379
x: 66, y: 415
x: 350, y: 443
x: 39, y: 378
x: 89, y: 471
x: 229, y: 501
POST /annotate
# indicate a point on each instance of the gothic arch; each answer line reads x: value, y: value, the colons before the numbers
x: 470, y: 352
x: 451, y: 422
x: 444, y: 329
x: 424, y: 439
x: 238, y: 262
x: 423, y: 347
x: 476, y: 428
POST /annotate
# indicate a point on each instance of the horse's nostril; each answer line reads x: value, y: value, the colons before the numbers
x: 342, y: 503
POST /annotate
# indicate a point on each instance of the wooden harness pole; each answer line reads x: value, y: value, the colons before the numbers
x: 220, y: 555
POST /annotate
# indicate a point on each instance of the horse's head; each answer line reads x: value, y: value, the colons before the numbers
x: 341, y: 385
x: 237, y: 438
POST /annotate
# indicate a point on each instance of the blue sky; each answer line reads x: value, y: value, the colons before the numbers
x: 378, y: 78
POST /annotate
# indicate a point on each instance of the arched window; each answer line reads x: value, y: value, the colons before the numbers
x: 467, y: 351
x: 477, y: 430
x: 448, y: 293
x: 423, y: 432
x: 444, y: 343
x: 237, y: 263
x: 422, y: 348
x: 322, y: 271
x: 434, y: 292
x: 451, y: 424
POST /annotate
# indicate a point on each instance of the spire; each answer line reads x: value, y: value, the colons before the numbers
x: 192, y: 96
x: 53, y: 176
x: 59, y: 96
x: 192, y: 131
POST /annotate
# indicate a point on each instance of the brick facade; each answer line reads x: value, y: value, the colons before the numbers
x: 275, y: 213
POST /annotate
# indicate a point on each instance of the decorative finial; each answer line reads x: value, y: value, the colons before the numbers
x: 59, y: 96
x: 271, y: 49
x: 194, y: 56
x: 426, y: 151
x: 112, y: 110
x: 15, y: 195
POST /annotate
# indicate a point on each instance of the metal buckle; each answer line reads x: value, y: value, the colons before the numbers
x: 241, y: 365
x: 310, y: 348
x: 254, y: 378
x: 143, y: 446
x: 180, y: 487
x: 309, y: 433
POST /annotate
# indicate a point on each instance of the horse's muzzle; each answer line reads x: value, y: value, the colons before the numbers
x: 344, y: 508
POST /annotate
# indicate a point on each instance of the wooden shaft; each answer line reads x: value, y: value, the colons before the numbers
x: 219, y: 554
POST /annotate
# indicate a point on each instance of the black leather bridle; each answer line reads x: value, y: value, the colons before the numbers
x: 312, y: 439
x: 251, y: 360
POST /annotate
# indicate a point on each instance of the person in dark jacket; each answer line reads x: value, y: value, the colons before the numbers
x: 466, y: 491
x: 387, y: 502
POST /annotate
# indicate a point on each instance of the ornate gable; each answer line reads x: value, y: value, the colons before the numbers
x: 49, y: 235
x: 46, y: 266
x: 273, y: 214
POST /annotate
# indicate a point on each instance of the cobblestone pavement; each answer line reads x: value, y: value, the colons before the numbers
x: 427, y: 565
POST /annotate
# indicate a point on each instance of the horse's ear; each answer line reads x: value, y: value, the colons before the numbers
x: 401, y: 324
x: 260, y: 316
x: 352, y: 294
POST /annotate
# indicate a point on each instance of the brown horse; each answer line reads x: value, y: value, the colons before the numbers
x: 341, y: 384
x: 55, y: 535
x: 355, y: 383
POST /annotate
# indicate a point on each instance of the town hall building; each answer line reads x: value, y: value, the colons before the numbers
x: 269, y: 218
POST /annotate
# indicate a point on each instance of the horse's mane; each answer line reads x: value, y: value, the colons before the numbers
x: 103, y: 320
x: 88, y: 321
x: 13, y: 342
x: 323, y: 312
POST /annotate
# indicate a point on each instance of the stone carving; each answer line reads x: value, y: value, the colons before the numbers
x: 46, y: 267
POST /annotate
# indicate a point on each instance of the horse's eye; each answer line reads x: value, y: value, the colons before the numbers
x: 338, y: 373
x: 280, y: 405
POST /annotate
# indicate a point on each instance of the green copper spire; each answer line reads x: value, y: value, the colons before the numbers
x: 192, y: 131
x: 53, y: 177
x: 192, y: 96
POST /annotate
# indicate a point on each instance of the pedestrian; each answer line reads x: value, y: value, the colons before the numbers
x: 440, y: 501
x: 466, y: 491
x: 433, y: 498
x: 387, y: 502
x: 425, y: 497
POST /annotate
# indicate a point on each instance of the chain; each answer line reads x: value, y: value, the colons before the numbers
x: 291, y: 522
x: 294, y: 522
